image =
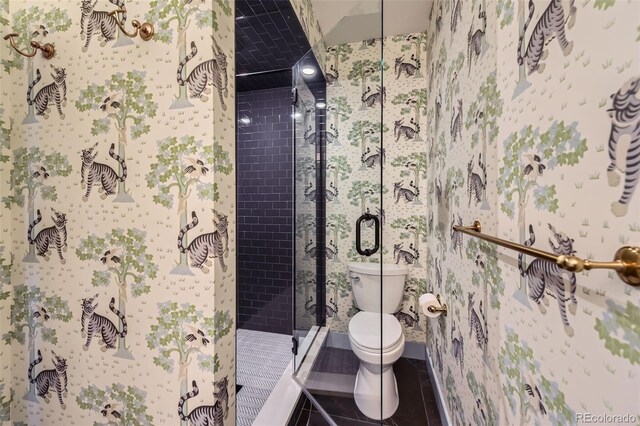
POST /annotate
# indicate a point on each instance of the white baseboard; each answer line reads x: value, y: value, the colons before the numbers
x: 442, y: 406
x: 413, y: 350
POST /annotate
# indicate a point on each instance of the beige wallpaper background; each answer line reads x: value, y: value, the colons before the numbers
x: 543, y: 129
x: 359, y: 142
x: 480, y: 102
x: 122, y: 253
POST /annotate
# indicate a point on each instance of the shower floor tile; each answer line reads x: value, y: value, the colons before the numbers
x: 261, y: 361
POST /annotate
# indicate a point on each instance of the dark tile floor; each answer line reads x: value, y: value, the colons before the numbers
x: 417, y: 401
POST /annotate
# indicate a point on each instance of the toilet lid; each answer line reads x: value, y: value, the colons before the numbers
x: 364, y: 329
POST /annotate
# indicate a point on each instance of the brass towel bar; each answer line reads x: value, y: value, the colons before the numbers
x: 48, y: 50
x: 626, y: 261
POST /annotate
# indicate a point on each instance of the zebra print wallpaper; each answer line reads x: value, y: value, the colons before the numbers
x: 117, y: 187
x: 528, y: 124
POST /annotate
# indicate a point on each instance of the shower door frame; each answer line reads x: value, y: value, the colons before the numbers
x: 300, y: 348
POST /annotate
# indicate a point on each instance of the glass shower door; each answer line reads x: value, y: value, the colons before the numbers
x: 308, y: 100
x: 350, y: 155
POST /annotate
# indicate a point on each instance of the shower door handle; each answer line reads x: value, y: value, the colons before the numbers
x: 376, y: 224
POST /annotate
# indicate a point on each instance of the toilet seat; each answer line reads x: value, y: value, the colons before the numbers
x: 364, y: 330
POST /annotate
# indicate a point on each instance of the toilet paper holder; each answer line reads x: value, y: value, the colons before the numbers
x: 442, y: 308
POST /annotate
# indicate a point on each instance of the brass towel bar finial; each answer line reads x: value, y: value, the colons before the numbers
x: 626, y: 261
x: 145, y: 29
x: 47, y: 49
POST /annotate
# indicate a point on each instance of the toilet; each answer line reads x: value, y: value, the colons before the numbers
x: 376, y: 336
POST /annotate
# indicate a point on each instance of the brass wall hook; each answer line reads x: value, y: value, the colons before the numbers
x: 48, y: 50
x: 145, y: 29
x: 442, y: 308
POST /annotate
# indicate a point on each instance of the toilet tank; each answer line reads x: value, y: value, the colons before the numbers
x: 368, y: 288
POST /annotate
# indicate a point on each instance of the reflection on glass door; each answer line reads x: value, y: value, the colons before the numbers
x: 308, y: 99
x: 348, y: 371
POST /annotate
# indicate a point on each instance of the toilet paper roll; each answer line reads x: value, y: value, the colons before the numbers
x: 426, y: 300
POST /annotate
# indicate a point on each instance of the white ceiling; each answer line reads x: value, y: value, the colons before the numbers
x: 348, y: 21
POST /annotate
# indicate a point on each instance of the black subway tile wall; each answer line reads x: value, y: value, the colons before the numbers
x: 265, y: 210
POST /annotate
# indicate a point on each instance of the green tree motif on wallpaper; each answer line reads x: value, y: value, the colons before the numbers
x: 440, y: 61
x: 4, y: 11
x: 338, y: 53
x: 305, y: 281
x: 130, y: 402
x: 519, y: 366
x: 339, y: 228
x: 445, y: 338
x: 452, y: 82
x: 215, y: 154
x: 414, y: 102
x: 453, y: 399
x: 484, y: 112
x: 23, y: 178
x: 504, y: 10
x: 621, y: 322
x: 135, y: 268
x: 363, y: 192
x: 515, y: 360
x: 365, y: 132
x: 5, y: 137
x: 163, y: 13
x: 22, y: 23
x: 604, y: 4
x: 353, y: 309
x: 136, y: 106
x: 305, y: 224
x: 169, y: 336
x: 431, y: 126
x: 416, y: 42
x: 26, y: 329
x: 6, y: 264
x: 560, y: 145
x: 305, y: 168
x: 487, y: 273
x: 414, y: 166
x: 365, y: 72
x: 354, y: 256
x: 340, y: 288
x: 413, y: 227
x: 340, y: 169
x: 340, y: 110
x: 484, y: 411
x: 414, y: 288
x: 455, y: 180
x: 453, y: 289
x: 5, y: 404
x: 183, y: 163
x: 438, y: 151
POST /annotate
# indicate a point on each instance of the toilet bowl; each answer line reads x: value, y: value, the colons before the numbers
x: 376, y: 336
x: 376, y: 390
